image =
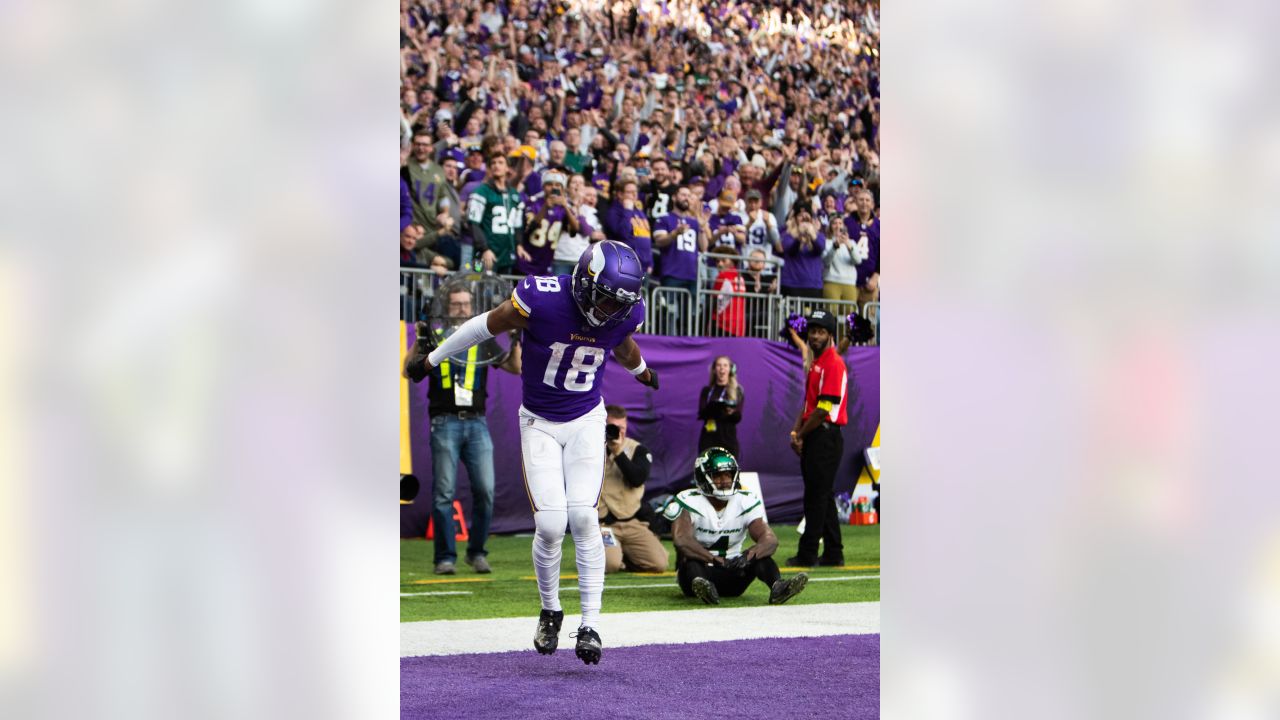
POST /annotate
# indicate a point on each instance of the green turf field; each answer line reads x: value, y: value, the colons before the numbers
x: 510, y: 590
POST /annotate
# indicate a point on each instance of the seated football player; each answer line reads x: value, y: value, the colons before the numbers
x: 709, y: 523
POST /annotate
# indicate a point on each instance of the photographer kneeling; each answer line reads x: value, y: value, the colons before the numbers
x: 624, y: 517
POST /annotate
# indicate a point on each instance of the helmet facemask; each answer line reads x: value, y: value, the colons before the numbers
x: 710, y: 464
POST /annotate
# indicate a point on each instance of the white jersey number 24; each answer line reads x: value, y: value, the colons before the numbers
x: 582, y: 367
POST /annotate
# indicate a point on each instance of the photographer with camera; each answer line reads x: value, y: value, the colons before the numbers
x: 457, y: 393
x: 624, y: 517
x: 720, y: 407
x: 545, y: 222
x: 709, y: 523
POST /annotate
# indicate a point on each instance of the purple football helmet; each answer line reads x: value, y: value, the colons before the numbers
x: 607, y: 282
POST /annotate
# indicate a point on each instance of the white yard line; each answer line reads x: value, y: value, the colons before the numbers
x: 703, y: 624
x: 626, y: 586
x: 438, y: 592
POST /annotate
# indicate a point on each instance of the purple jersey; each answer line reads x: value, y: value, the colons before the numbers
x: 722, y: 229
x: 563, y: 356
x: 680, y: 258
x: 540, y: 239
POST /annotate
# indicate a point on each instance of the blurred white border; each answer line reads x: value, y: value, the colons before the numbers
x: 199, y: 394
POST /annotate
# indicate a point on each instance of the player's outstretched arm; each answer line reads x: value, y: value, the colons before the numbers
x: 628, y: 354
x: 501, y: 319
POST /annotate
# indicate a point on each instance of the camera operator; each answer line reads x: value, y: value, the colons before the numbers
x: 624, y: 517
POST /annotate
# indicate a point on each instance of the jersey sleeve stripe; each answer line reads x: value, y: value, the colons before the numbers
x: 521, y: 306
x: 753, y: 507
x: 682, y: 504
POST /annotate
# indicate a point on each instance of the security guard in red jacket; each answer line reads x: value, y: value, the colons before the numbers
x: 816, y: 438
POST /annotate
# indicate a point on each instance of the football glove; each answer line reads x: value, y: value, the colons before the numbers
x: 738, y: 564
x: 652, y: 381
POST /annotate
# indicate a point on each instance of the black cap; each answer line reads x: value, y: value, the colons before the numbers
x: 822, y: 319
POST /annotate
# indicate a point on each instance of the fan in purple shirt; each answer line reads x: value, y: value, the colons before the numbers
x: 679, y: 237
x: 625, y: 220
x: 543, y: 226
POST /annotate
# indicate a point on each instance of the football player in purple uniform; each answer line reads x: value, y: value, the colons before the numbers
x: 570, y: 324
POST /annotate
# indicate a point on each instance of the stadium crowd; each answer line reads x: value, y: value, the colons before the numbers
x: 530, y: 129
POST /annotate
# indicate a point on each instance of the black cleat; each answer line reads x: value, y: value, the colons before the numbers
x: 799, y: 561
x: 547, y: 639
x: 706, y: 591
x: 589, y: 645
x: 784, y: 590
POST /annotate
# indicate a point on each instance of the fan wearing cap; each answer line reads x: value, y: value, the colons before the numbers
x: 708, y: 525
x: 545, y: 221
x: 816, y: 438
x: 762, y: 228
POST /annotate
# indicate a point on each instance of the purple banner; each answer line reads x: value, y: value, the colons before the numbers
x: 666, y: 421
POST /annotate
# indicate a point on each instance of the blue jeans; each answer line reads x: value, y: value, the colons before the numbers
x: 562, y: 267
x: 452, y: 437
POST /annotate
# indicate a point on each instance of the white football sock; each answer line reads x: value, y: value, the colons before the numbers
x: 585, y: 524
x: 548, y: 542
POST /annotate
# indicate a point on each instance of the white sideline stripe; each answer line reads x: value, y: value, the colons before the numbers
x: 437, y: 592
x: 704, y: 624
x: 574, y: 588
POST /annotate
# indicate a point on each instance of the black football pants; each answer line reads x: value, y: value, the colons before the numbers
x: 819, y: 460
x: 727, y: 582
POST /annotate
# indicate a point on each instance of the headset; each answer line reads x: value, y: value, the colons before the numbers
x: 733, y: 366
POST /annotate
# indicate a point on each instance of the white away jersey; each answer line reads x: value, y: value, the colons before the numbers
x: 720, y: 532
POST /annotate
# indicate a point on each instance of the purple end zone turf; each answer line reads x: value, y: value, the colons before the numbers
x: 819, y: 677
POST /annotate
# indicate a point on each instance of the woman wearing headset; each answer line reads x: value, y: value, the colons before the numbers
x: 720, y: 407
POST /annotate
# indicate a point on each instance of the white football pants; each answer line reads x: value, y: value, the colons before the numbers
x: 563, y: 471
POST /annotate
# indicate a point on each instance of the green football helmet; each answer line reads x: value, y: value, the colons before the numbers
x: 710, y: 463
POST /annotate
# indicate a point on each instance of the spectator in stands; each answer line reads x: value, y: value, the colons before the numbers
x: 840, y: 260
x: 778, y: 99
x: 801, y: 247
x: 496, y: 215
x: 679, y: 236
x: 726, y: 226
x: 625, y: 221
x: 864, y: 229
x: 762, y: 228
x: 660, y: 192
x: 573, y: 242
x: 457, y: 393
x: 710, y: 523
x: 730, y: 313
x: 450, y: 220
x: 624, y: 517
x: 545, y: 223
x: 720, y: 407
x: 406, y: 206
x: 425, y: 178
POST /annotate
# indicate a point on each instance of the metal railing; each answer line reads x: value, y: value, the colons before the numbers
x: 668, y: 310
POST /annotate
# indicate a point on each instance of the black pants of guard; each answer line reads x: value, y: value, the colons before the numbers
x: 727, y: 582
x: 819, y: 460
